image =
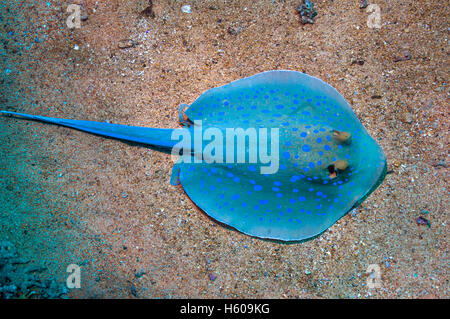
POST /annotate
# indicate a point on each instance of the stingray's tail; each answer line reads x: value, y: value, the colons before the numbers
x: 157, y: 137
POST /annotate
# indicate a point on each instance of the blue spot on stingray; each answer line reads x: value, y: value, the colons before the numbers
x: 235, y: 196
x: 257, y: 187
x: 302, y: 198
x: 327, y: 147
x: 286, y: 155
x: 303, y: 134
x: 306, y: 148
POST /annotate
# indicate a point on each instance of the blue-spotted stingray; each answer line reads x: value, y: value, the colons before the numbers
x: 327, y: 165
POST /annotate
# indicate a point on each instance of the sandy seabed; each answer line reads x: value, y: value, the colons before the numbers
x: 72, y: 198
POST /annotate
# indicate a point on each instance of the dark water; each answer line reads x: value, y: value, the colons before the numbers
x: 36, y: 217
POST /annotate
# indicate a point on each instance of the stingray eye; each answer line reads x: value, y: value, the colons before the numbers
x: 337, y: 167
x: 332, y: 171
x: 341, y: 136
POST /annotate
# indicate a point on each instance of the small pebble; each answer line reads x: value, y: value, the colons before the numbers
x: 306, y: 12
x: 126, y: 43
x: 423, y: 221
x: 186, y: 9
x: 148, y: 11
x: 232, y: 31
x: 441, y: 163
x: 357, y: 60
x: 212, y: 277
x: 407, y: 118
x: 406, y: 56
x: 139, y: 273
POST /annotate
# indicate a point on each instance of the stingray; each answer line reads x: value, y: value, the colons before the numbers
x: 322, y: 161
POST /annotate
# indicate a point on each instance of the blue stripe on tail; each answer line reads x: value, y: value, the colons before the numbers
x: 158, y: 137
